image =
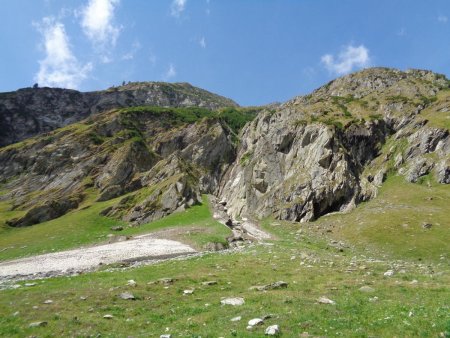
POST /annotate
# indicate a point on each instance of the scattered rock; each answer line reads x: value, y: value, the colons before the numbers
x: 255, y: 321
x: 426, y: 225
x: 366, y: 288
x: 127, y: 296
x: 272, y: 286
x: 30, y: 284
x: 209, y: 283
x: 325, y: 300
x: 48, y: 301
x: 117, y: 228
x: 166, y: 281
x: 38, y: 324
x: 188, y: 292
x: 272, y: 330
x: 108, y: 316
x: 236, y: 319
x: 234, y: 301
x: 165, y: 336
x: 131, y: 283
x: 389, y: 273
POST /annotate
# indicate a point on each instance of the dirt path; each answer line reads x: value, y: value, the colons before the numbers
x: 82, y: 259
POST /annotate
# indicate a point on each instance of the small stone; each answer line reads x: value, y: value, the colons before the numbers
x: 414, y: 281
x: 366, y: 288
x: 325, y: 300
x: 166, y: 281
x: 127, y: 296
x: 236, y: 319
x: 255, y: 322
x: 234, y: 301
x: 108, y: 316
x: 83, y: 298
x: 373, y: 299
x: 426, y: 225
x: 38, y: 324
x: 117, y: 228
x: 48, y: 301
x: 15, y: 314
x: 389, y: 273
x: 272, y: 286
x: 131, y: 282
x: 188, y: 292
x: 165, y: 336
x: 209, y: 283
x: 30, y: 284
x: 272, y: 330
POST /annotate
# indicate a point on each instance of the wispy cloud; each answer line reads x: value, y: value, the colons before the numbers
x: 348, y: 59
x: 60, y: 67
x: 170, y: 73
x: 97, y: 21
x: 442, y: 18
x: 135, y: 47
x: 177, y: 7
x: 202, y: 42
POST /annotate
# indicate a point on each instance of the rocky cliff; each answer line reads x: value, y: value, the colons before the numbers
x: 332, y: 149
x: 32, y: 111
x: 315, y: 154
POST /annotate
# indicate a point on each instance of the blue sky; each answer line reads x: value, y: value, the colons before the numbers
x: 253, y: 51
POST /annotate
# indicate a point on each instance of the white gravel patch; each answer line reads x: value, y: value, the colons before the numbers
x: 91, y: 257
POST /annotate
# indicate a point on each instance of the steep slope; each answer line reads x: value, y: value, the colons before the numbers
x: 169, y: 155
x: 32, y: 111
x: 332, y: 149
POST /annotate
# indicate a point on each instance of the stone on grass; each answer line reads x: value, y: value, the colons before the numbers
x: 426, y: 225
x: 208, y: 283
x: 108, y: 316
x: 48, y: 301
x: 234, y: 301
x: 131, y: 282
x: 272, y: 286
x: 38, y: 324
x: 165, y: 336
x: 127, y: 296
x: 236, y: 319
x: 325, y: 300
x: 255, y: 322
x: 389, y: 273
x: 117, y: 228
x: 272, y: 330
x: 30, y: 284
x: 188, y: 292
x: 366, y: 288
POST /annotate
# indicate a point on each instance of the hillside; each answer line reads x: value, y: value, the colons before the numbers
x: 32, y: 111
x: 349, y: 183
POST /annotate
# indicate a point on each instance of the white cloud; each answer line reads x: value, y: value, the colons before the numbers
x: 134, y: 49
x: 202, y: 42
x: 59, y: 68
x: 171, y: 73
x: 97, y: 23
x: 442, y: 18
x: 177, y: 7
x: 348, y: 59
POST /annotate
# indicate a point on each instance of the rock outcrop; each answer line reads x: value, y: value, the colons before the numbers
x: 332, y: 149
x: 33, y: 111
x: 315, y: 154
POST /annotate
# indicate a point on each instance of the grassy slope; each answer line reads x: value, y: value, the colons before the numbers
x: 86, y: 226
x: 301, y: 256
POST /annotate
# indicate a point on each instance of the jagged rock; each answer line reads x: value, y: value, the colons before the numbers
x: 46, y: 212
x: 443, y: 171
x: 418, y: 167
